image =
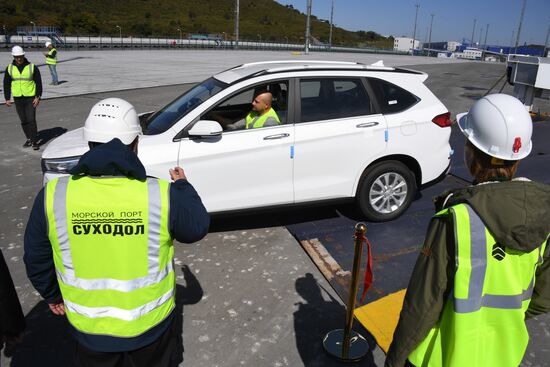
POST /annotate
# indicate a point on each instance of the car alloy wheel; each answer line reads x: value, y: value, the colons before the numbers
x: 386, y: 191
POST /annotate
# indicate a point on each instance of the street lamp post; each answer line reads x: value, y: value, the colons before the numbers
x: 330, y: 30
x: 430, y: 39
x: 308, y: 26
x: 236, y: 24
x: 179, y: 29
x: 119, y: 33
x: 34, y: 29
x: 414, y: 31
x: 473, y: 32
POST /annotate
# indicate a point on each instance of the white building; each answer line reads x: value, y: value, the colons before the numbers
x: 452, y: 45
x: 469, y: 53
x: 405, y: 44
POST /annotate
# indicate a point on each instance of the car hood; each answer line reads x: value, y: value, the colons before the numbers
x: 70, y: 144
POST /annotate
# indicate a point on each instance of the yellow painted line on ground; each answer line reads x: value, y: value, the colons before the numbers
x: 380, y: 317
x: 295, y: 53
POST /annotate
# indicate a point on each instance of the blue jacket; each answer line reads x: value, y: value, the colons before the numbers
x: 189, y: 222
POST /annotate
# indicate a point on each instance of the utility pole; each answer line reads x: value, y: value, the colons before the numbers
x: 330, y: 29
x: 430, y: 39
x: 307, y: 26
x: 480, y: 33
x: 519, y: 26
x: 473, y: 32
x: 543, y: 53
x: 236, y: 24
x: 415, y: 19
x: 486, y: 31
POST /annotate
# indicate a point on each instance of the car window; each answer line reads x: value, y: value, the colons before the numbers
x: 167, y: 116
x: 231, y: 113
x: 392, y: 98
x: 333, y: 98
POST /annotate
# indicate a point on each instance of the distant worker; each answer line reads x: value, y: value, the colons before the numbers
x: 261, y: 115
x: 22, y: 81
x: 99, y: 245
x: 485, y: 262
x: 51, y: 61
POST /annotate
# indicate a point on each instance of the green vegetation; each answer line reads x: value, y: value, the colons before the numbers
x: 259, y: 19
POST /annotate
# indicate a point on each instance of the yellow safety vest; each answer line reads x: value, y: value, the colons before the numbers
x: 22, y: 84
x: 254, y: 121
x: 112, y: 251
x: 482, y: 323
x: 51, y: 60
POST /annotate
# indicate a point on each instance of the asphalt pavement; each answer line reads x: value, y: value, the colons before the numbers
x: 248, y: 295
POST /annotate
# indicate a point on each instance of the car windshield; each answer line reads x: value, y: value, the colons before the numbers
x: 163, y: 119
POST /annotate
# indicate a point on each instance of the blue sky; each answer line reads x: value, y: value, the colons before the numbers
x: 453, y: 19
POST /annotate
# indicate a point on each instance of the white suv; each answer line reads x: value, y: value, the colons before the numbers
x: 348, y: 130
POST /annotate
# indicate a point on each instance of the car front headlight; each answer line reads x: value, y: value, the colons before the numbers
x: 59, y: 165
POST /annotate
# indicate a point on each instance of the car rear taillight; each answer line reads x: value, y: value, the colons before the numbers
x: 443, y: 120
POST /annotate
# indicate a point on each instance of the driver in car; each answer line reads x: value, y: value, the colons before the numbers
x: 262, y: 114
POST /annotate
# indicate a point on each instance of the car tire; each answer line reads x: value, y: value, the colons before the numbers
x: 386, y: 190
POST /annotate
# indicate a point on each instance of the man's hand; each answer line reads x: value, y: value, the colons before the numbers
x: 57, y: 308
x: 177, y: 174
x: 35, y: 101
x: 8, y: 102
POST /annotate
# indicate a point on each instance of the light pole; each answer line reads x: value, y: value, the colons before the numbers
x: 543, y: 52
x: 430, y: 39
x: 486, y: 31
x: 119, y: 31
x: 307, y: 26
x: 415, y: 19
x: 236, y: 24
x: 179, y: 29
x: 473, y: 32
x: 519, y: 26
x: 34, y: 29
x: 330, y: 30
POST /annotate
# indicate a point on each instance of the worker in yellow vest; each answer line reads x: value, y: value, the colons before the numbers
x: 485, y: 263
x: 262, y: 114
x: 23, y: 82
x: 51, y: 61
x: 98, y: 245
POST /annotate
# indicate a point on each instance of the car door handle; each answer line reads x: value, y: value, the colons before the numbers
x: 276, y: 136
x: 368, y: 124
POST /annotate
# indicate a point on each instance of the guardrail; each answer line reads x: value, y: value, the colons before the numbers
x: 96, y: 42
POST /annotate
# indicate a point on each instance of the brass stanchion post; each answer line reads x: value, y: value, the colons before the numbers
x: 346, y: 344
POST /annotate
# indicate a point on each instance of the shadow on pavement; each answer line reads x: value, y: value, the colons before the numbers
x: 314, y: 319
x: 48, y: 341
x: 46, y: 135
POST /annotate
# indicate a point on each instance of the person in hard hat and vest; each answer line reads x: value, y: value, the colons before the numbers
x: 51, y: 61
x: 22, y: 81
x: 485, y: 263
x: 98, y: 245
x: 262, y: 114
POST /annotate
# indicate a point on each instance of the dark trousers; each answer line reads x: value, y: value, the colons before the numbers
x: 157, y: 354
x: 27, y: 115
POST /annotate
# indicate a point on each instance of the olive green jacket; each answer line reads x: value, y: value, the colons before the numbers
x: 518, y: 215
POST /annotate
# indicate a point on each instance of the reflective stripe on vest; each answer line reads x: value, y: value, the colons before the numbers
x: 475, y: 297
x: 121, y: 304
x: 482, y: 323
x: 51, y: 60
x: 22, y: 83
x: 254, y: 121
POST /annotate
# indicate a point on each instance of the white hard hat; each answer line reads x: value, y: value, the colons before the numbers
x: 17, y: 51
x: 498, y: 125
x: 112, y: 118
x: 48, y: 44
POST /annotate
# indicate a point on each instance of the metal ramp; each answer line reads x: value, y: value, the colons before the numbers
x: 52, y: 32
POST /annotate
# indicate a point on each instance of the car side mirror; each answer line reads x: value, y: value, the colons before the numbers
x: 205, y: 128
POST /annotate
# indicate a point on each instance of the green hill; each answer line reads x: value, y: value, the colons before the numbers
x: 265, y: 19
